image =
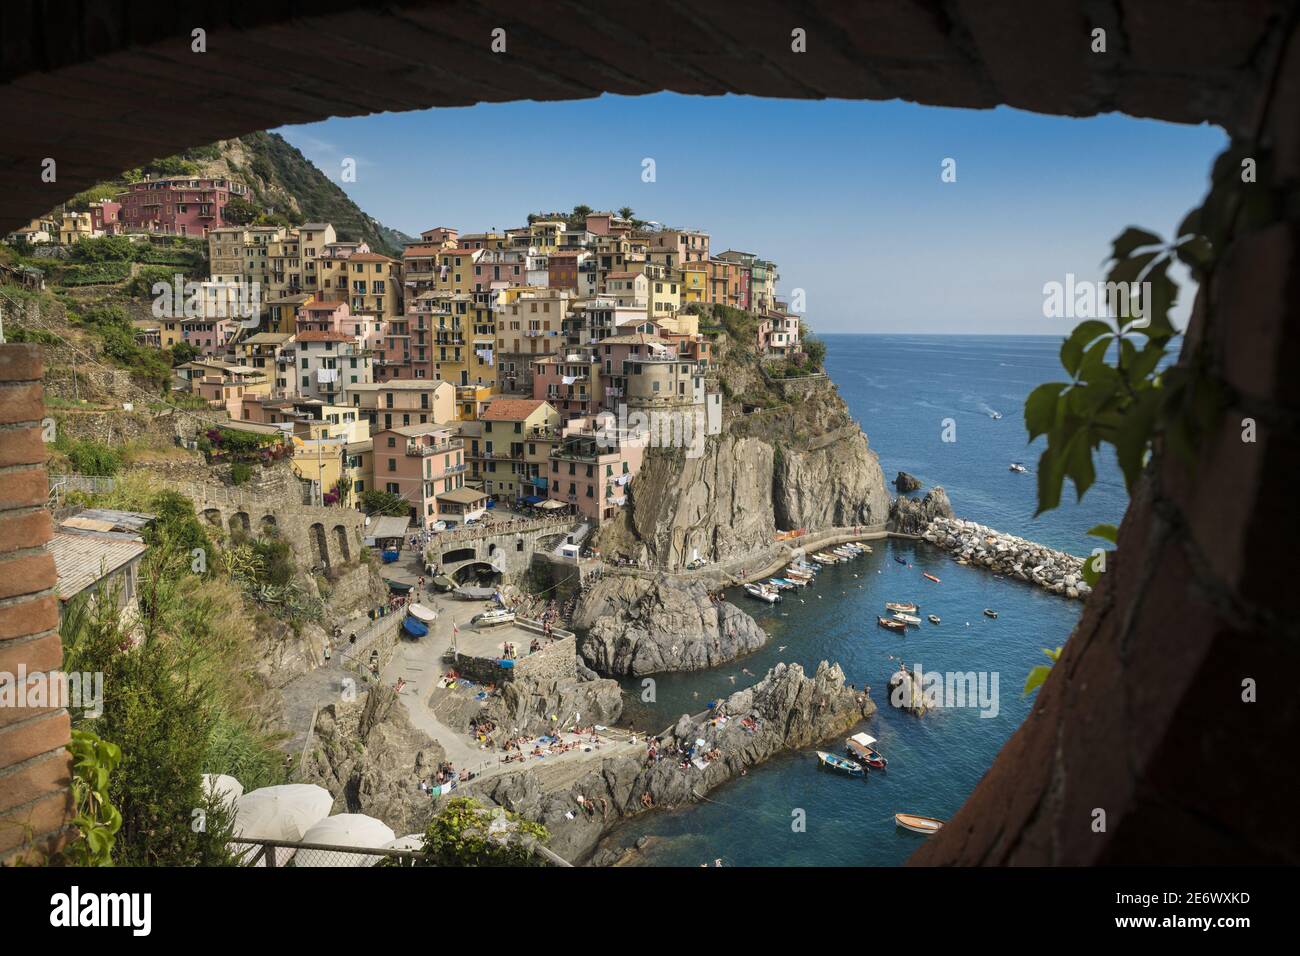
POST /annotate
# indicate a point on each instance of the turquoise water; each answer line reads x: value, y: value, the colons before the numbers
x: 900, y: 388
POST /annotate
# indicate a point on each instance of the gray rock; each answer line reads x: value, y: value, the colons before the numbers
x: 906, y: 483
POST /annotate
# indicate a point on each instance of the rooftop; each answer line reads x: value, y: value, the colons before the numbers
x: 510, y: 409
x: 82, y: 559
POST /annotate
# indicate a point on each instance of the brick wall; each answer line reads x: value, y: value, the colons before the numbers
x: 34, y: 766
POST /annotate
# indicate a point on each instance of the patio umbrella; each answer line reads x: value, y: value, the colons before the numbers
x: 285, y: 812
x: 412, y: 841
x: 225, y: 787
x: 344, y: 829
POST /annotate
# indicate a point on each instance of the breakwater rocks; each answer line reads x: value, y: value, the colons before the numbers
x: 984, y: 547
x: 907, y: 483
x: 786, y: 709
x: 632, y: 625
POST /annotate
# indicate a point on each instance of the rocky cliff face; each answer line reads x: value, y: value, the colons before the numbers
x: 634, y: 625
x: 804, y: 464
x: 372, y: 759
x: 786, y: 709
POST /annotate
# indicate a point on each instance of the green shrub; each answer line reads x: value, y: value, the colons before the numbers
x: 94, y: 458
x: 241, y: 472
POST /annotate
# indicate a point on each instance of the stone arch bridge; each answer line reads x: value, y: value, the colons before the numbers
x: 508, y: 550
x: 320, y: 537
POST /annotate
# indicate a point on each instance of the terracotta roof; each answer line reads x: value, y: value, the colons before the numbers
x: 316, y: 305
x: 314, y: 336
x: 510, y: 409
x: 369, y: 257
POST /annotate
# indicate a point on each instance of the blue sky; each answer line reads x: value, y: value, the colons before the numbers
x: 845, y: 196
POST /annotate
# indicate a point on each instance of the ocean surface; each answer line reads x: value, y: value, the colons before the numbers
x: 901, y: 389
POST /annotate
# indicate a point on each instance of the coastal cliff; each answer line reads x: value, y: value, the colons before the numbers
x: 798, y: 462
x: 632, y: 625
x: 786, y: 709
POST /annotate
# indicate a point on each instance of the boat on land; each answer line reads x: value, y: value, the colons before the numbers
x: 989, y: 612
x: 907, y: 607
x: 931, y: 577
x: 840, y: 764
x: 415, y: 627
x: 762, y: 592
x: 918, y: 824
x: 934, y: 618
x: 493, y: 618
x: 862, y: 748
x: 1018, y: 468
x: 892, y: 625
x: 907, y: 618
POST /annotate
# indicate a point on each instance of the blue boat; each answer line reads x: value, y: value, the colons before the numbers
x: 415, y: 628
x: 840, y: 764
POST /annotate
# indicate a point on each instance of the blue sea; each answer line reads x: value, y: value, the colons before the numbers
x: 901, y: 389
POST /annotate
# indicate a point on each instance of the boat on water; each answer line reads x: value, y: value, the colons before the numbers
x: 995, y: 415
x: 918, y: 824
x: 798, y: 574
x: 989, y: 612
x: 900, y: 559
x: 493, y: 618
x: 931, y: 577
x: 781, y: 584
x: 862, y: 748
x: 907, y: 618
x: 907, y: 607
x: 762, y: 593
x: 825, y: 558
x: 891, y: 625
x: 934, y: 618
x: 1017, y: 467
x: 839, y: 763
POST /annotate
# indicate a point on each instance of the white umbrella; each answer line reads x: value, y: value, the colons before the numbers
x: 412, y: 841
x: 345, y: 829
x: 285, y: 812
x: 225, y: 787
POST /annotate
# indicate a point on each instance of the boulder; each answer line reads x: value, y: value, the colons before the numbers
x: 906, y: 483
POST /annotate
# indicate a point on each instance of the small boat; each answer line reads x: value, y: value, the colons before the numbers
x: 826, y: 558
x: 839, y: 763
x: 918, y: 824
x: 796, y: 575
x: 1017, y: 467
x: 995, y: 415
x: 933, y: 618
x: 989, y: 612
x: 928, y: 575
x: 890, y: 625
x: 762, y: 593
x: 861, y: 747
x: 424, y: 614
x: 781, y: 584
x: 906, y: 607
x: 493, y: 618
x: 906, y: 618
x: 900, y: 559
x: 415, y: 627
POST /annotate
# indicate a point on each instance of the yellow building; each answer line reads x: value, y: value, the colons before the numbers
x: 75, y: 227
x: 694, y: 282
x: 510, y: 446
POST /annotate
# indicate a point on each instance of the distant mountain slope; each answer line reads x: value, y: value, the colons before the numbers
x: 285, y: 186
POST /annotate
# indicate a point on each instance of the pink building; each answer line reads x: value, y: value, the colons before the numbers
x: 316, y: 315
x: 418, y: 463
x: 209, y: 336
x: 590, y: 468
x: 571, y: 383
x: 178, y: 206
x: 106, y: 217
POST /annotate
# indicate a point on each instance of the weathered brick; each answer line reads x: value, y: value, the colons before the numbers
x: 27, y: 574
x: 29, y: 617
x: 42, y: 654
x: 20, y: 531
x: 39, y: 736
x: 42, y: 775
x: 23, y: 488
x: 21, y: 403
x: 30, y: 824
x: 21, y: 362
x: 21, y: 446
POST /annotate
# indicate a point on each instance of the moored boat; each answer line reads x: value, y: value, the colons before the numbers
x: 934, y: 618
x: 1018, y: 468
x: 907, y: 607
x: 900, y: 559
x: 862, y: 748
x: 989, y: 612
x: 762, y: 593
x: 928, y: 575
x: 891, y: 625
x: 918, y: 824
x: 906, y: 618
x: 840, y: 764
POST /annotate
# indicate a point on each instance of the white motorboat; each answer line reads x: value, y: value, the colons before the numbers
x: 762, y: 593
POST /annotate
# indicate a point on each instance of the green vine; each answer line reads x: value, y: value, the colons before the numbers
x: 96, y: 819
x: 1121, y: 391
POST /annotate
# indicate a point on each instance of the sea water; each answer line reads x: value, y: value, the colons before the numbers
x: 909, y: 393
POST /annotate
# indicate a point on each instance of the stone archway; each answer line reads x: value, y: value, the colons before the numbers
x: 267, y: 526
x: 320, y: 551
x: 239, y: 523
x: 458, y: 554
x: 212, y: 516
x: 341, y: 540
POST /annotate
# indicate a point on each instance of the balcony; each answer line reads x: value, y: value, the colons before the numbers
x: 423, y: 450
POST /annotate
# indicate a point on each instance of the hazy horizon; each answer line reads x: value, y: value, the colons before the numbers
x: 845, y: 196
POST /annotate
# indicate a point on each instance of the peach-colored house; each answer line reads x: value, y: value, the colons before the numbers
x: 419, y: 462
x: 590, y: 468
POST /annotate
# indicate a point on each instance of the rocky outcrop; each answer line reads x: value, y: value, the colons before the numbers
x: 786, y: 709
x: 913, y: 516
x: 906, y: 483
x: 528, y: 705
x: 805, y: 464
x: 984, y: 547
x: 370, y: 756
x: 632, y: 625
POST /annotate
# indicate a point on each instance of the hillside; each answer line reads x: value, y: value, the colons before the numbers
x: 285, y: 186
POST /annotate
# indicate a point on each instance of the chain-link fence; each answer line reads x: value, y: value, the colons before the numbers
x: 280, y: 853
